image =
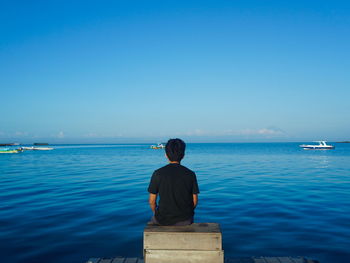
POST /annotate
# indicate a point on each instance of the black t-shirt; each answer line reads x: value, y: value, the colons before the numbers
x: 176, y: 185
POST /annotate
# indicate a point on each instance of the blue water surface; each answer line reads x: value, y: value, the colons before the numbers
x: 82, y: 201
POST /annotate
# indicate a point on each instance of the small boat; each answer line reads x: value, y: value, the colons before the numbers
x: 8, y: 150
x: 158, y: 146
x: 322, y: 145
x: 32, y: 148
x: 27, y: 148
x: 42, y: 148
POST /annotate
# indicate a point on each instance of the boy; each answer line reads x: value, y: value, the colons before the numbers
x: 177, y: 188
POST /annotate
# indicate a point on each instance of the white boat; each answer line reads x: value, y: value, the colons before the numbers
x: 322, y: 145
x: 158, y: 146
x: 27, y: 148
x: 32, y: 148
x: 42, y: 148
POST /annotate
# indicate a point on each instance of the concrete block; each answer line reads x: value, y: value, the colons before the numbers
x: 183, y: 256
x: 198, y: 236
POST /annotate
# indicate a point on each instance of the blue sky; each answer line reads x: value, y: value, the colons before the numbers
x: 134, y: 71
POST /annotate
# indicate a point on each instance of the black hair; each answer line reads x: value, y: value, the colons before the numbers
x: 175, y: 149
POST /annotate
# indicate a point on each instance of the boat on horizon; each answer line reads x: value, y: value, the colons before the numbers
x: 32, y: 148
x: 42, y: 148
x: 10, y: 150
x: 158, y: 146
x: 322, y: 145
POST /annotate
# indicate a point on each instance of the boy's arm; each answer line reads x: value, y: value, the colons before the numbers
x: 152, y: 201
x: 195, y: 200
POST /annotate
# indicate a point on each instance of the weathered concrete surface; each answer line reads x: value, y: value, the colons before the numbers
x: 203, y: 236
x: 196, y: 243
x: 183, y: 256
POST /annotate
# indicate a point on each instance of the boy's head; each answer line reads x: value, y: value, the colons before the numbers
x: 175, y: 150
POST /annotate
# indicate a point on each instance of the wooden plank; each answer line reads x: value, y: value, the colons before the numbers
x: 246, y: 260
x: 259, y: 260
x: 239, y: 260
x: 298, y: 260
x: 118, y: 260
x: 285, y: 260
x: 130, y: 260
x: 227, y: 260
x: 271, y: 260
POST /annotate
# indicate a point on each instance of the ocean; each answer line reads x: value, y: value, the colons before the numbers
x: 81, y: 201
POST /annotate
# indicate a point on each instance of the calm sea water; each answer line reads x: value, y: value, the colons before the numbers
x: 82, y: 201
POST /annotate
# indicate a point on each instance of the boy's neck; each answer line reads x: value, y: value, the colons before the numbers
x: 174, y: 162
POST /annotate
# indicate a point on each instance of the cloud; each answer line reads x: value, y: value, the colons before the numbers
x: 269, y: 131
x: 196, y: 132
x: 104, y: 135
x: 260, y: 132
x: 20, y: 134
x: 91, y: 135
x: 263, y: 131
x: 60, y: 135
x: 14, y: 135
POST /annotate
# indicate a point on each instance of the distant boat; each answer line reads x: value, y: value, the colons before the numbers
x: 27, y: 148
x: 9, y: 150
x: 322, y: 145
x: 158, y: 146
x: 42, y: 148
x: 32, y: 148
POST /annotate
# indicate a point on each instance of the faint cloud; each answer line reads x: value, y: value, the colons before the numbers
x: 15, y: 135
x: 263, y: 131
x: 104, y: 136
x: 270, y: 131
x: 196, y: 132
x: 20, y: 134
x: 90, y: 135
x: 60, y: 135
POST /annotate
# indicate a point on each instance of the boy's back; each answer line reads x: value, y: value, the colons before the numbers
x: 176, y: 185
